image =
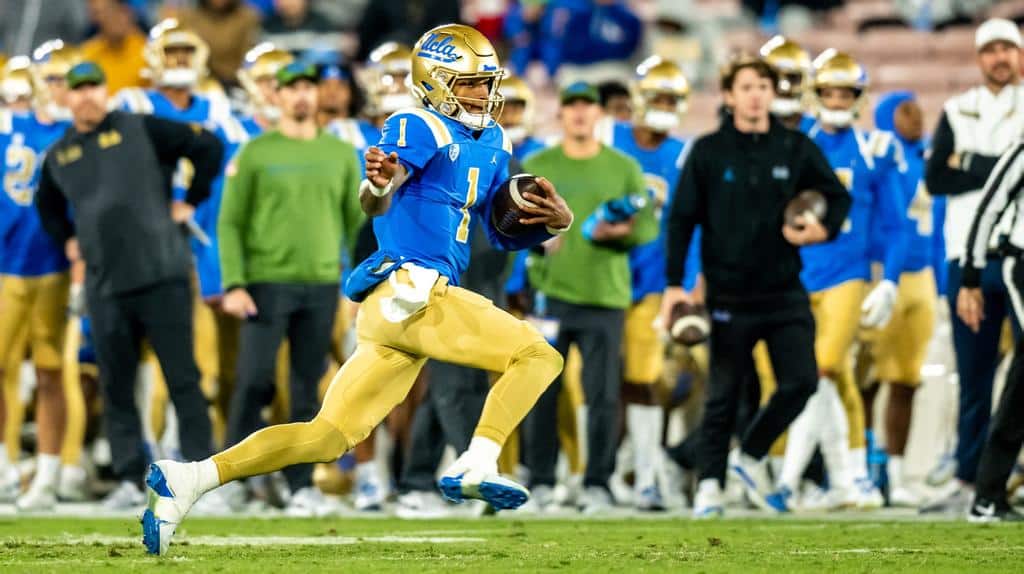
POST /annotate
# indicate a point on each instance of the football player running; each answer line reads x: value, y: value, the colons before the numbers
x: 836, y: 275
x: 430, y: 180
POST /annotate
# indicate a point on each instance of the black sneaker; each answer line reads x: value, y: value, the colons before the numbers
x: 987, y: 510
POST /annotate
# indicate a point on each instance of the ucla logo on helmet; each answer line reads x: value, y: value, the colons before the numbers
x: 440, y: 49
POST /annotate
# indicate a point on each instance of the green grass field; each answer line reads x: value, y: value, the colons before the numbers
x: 594, y: 546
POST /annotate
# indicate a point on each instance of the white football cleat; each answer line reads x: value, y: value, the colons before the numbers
x: 753, y: 475
x: 866, y: 495
x: 369, y: 492
x: 421, y: 504
x: 38, y: 498
x: 73, y: 485
x: 708, y: 502
x: 596, y: 500
x: 10, y: 484
x: 309, y: 502
x: 903, y: 497
x: 473, y: 476
x: 126, y: 496
x: 171, y: 490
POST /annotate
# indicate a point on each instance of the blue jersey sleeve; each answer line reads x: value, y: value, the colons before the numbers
x: 891, y: 211
x: 410, y: 136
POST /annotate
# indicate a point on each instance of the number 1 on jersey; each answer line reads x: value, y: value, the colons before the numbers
x: 462, y: 234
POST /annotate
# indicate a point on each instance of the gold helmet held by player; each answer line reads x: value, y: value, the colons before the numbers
x: 386, y: 79
x: 16, y: 83
x: 257, y: 78
x: 661, y: 80
x: 793, y: 65
x: 51, y: 62
x: 835, y: 69
x: 450, y: 53
x: 176, y: 57
x: 516, y: 91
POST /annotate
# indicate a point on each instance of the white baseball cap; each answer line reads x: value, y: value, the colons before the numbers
x: 997, y: 30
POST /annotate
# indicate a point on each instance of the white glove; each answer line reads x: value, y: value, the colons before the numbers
x: 480, y: 461
x: 878, y: 305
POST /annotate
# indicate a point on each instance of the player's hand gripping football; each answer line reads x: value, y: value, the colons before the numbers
x: 806, y: 231
x: 381, y: 168
x: 550, y: 210
x: 670, y: 298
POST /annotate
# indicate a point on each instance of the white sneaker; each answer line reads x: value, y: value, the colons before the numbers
x: 421, y: 504
x: 171, y: 490
x: 126, y: 496
x: 369, y: 494
x: 596, y: 500
x: 866, y: 494
x: 73, y: 485
x: 309, y: 502
x: 753, y: 475
x: 542, y: 499
x: 903, y: 497
x: 621, y: 490
x: 568, y: 493
x: 37, y: 499
x: 10, y: 484
x: 708, y: 503
x: 213, y: 503
x: 649, y: 500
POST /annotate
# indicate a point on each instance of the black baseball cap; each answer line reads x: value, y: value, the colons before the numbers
x: 579, y: 91
x: 296, y: 71
x: 85, y: 73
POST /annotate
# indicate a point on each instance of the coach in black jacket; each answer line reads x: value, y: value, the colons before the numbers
x: 735, y: 184
x: 114, y: 171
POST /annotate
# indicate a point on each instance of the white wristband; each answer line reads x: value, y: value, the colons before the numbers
x: 376, y: 191
x: 554, y: 231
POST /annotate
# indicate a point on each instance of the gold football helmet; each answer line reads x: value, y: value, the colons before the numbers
x: 793, y: 64
x: 516, y: 91
x: 453, y: 52
x: 656, y: 77
x: 835, y: 69
x: 16, y: 83
x: 50, y: 63
x: 256, y: 76
x: 175, y: 56
x: 386, y: 79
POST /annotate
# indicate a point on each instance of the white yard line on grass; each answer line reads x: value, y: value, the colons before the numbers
x: 249, y: 540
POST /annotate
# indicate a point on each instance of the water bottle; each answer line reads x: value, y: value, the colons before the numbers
x: 614, y: 211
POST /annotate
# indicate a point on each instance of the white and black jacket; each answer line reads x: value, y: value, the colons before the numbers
x: 1001, y: 191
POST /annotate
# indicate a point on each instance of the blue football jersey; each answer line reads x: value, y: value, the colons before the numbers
x: 453, y: 173
x: 233, y: 132
x: 26, y: 250
x: 360, y: 133
x: 917, y: 204
x: 661, y: 168
x: 868, y: 165
x: 521, y: 150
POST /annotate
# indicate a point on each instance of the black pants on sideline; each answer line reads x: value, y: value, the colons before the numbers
x: 162, y: 314
x: 447, y: 416
x: 1006, y: 432
x: 598, y: 333
x: 788, y: 332
x: 305, y: 315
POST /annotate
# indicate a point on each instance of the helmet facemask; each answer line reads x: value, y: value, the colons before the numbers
x: 454, y: 107
x: 655, y: 117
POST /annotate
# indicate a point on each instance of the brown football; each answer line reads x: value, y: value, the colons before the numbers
x: 808, y: 202
x: 507, y: 203
x: 690, y: 324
